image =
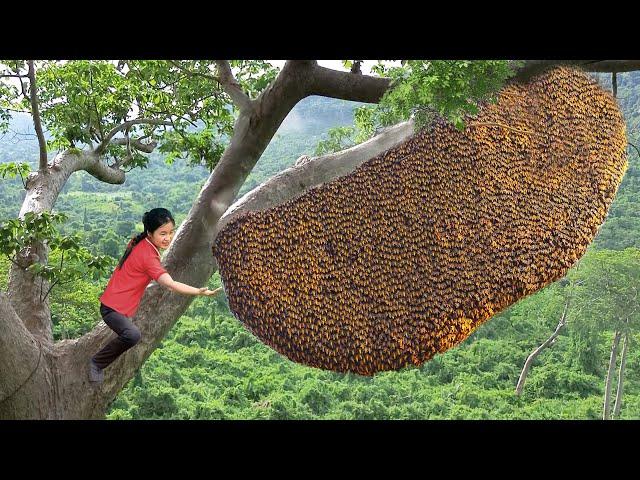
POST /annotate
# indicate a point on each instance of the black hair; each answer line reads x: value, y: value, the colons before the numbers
x: 152, y: 220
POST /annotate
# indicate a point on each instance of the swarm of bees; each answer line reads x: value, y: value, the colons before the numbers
x: 404, y: 257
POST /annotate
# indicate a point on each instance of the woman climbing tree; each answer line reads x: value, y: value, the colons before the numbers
x: 138, y: 266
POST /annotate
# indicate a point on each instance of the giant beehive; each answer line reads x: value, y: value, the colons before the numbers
x: 407, y: 255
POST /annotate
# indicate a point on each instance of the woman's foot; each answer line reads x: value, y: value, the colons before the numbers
x: 96, y: 374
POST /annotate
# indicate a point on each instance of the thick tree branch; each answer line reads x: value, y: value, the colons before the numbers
x: 126, y: 125
x: 231, y: 85
x: 43, y: 188
x: 363, y: 88
x: 35, y: 112
x: 73, y: 161
x: 311, y: 172
x: 253, y: 130
x: 19, y: 350
x: 346, y: 85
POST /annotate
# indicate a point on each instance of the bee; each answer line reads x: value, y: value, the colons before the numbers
x: 405, y: 256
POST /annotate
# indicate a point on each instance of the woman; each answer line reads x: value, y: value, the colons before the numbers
x: 138, y: 266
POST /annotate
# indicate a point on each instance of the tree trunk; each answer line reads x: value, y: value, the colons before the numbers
x: 537, y: 351
x: 43, y: 188
x: 26, y: 383
x: 612, y: 365
x: 619, y: 392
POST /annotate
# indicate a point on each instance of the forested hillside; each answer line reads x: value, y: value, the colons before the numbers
x: 211, y: 367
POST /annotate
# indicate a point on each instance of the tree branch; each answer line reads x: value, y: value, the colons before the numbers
x: 537, y: 351
x: 606, y: 409
x: 619, y: 391
x: 19, y: 351
x: 191, y: 73
x: 18, y: 111
x: 126, y: 125
x: 364, y: 88
x: 534, y: 67
x: 137, y: 144
x: 69, y: 161
x: 12, y: 260
x: 36, y: 116
x: 310, y: 172
x: 347, y: 86
x: 231, y: 85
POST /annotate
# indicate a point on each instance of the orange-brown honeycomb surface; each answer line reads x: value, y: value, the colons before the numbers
x: 407, y: 255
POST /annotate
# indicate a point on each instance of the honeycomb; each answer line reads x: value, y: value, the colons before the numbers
x: 404, y: 257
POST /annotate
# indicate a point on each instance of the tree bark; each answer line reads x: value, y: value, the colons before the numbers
x: 620, y: 389
x: 35, y: 114
x: 606, y: 413
x: 537, y: 351
x: 43, y: 188
x: 311, y: 172
x: 25, y: 380
x: 57, y: 385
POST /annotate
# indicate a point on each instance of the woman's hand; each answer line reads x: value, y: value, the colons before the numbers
x: 166, y: 281
x: 209, y: 293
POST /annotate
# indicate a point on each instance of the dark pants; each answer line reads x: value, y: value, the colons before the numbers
x: 128, y: 336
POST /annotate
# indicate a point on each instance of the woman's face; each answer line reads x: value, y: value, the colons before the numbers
x: 163, y: 235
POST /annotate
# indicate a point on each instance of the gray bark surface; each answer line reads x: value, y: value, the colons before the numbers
x: 606, y: 411
x: 549, y: 341
x: 620, y: 390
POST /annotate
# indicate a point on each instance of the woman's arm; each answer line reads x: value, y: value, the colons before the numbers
x: 166, y: 281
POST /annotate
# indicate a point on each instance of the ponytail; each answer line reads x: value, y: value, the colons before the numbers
x: 151, y: 220
x: 132, y: 243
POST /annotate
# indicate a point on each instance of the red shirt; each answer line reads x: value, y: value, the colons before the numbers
x: 127, y: 284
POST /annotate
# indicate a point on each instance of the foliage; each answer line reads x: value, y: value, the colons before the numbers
x: 339, y: 138
x: 440, y: 87
x: 608, y: 289
x: 13, y: 169
x: 424, y: 89
x: 75, y: 309
x: 20, y: 233
x: 82, y: 101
